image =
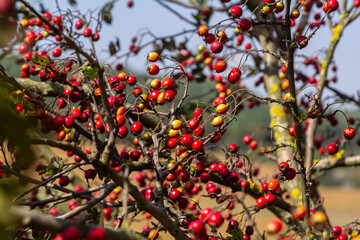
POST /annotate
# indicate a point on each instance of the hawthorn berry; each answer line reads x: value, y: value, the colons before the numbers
x: 70, y: 233
x: 198, y: 145
x: 64, y: 181
x: 349, y: 133
x: 270, y: 198
x: 261, y: 202
x: 220, y: 66
x: 332, y: 149
x: 203, y: 31
x: 87, y: 32
x: 175, y: 194
x: 247, y: 139
x: 233, y: 148
x: 215, y: 219
x: 96, y: 233
x: 236, y: 11
x: 244, y: 24
x: 216, y: 47
x: 283, y: 167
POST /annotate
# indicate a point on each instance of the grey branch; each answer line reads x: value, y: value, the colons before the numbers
x: 54, y: 225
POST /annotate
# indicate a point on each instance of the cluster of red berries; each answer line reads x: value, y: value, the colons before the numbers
x: 341, y: 233
x: 271, y: 188
x: 73, y: 233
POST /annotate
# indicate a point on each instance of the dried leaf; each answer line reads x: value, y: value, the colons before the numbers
x: 112, y: 49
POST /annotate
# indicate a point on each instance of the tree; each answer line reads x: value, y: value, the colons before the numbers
x: 118, y: 127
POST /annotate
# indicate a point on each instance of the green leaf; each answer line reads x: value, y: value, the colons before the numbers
x: 105, y: 11
x: 72, y: 2
x: 41, y: 169
x: 90, y: 71
x: 41, y: 60
x: 51, y: 170
x: 257, y: 60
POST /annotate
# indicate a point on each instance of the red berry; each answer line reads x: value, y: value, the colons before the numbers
x: 261, y: 203
x: 302, y: 40
x: 236, y: 11
x: 332, y: 149
x: 87, y: 32
x: 184, y: 176
x: 216, y: 47
x: 61, y: 103
x: 64, y: 181
x: 19, y: 108
x: 273, y: 185
x: 274, y: 226
x: 219, y: 100
x: 290, y: 174
x: 210, y: 38
x: 205, y: 213
x: 96, y: 233
x: 220, y: 66
x: 69, y: 121
x: 264, y: 187
x: 123, y: 132
x: 6, y: 7
x: 349, y: 133
x: 78, y: 24
x: 234, y: 75
x: 233, y: 148
x: 204, y: 177
x: 175, y: 194
x: 169, y: 95
x: 89, y: 173
x: 215, y: 219
x: 23, y: 48
x: 245, y: 184
x: 56, y: 52
x: 283, y: 167
x: 198, y: 228
x: 357, y: 3
x: 75, y: 113
x: 292, y: 130
x: 233, y: 176
x: 193, y: 123
x: 71, y: 233
x: 244, y: 24
x: 253, y: 145
x: 95, y: 37
x: 198, y: 145
x: 131, y: 81
x: 168, y: 83
x: 342, y: 237
x: 187, y: 140
x: 58, y: 121
x: 153, y: 69
x: 270, y: 198
x: 247, y: 139
x: 336, y: 230
x: 333, y: 5
x: 172, y: 143
x: 136, y: 128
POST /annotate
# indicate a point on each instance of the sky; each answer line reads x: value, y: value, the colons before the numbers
x: 148, y: 14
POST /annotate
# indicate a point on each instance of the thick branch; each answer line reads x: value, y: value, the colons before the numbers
x: 54, y: 225
x: 327, y: 164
